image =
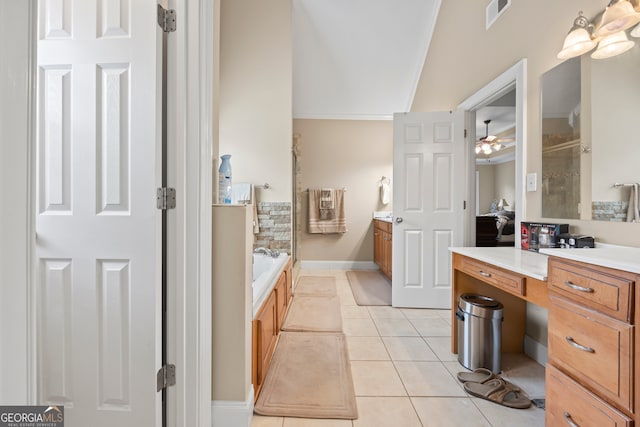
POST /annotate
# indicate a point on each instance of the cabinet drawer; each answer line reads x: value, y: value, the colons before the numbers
x: 594, y: 287
x: 593, y: 348
x: 502, y: 279
x: 382, y: 225
x: 568, y: 402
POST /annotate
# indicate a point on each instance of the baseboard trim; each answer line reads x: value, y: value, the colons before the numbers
x: 536, y: 351
x: 232, y: 412
x: 338, y: 265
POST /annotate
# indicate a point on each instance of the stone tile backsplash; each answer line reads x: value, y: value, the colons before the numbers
x: 610, y: 211
x: 274, y: 220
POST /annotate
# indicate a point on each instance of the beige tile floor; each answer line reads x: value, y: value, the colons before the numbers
x: 404, y: 372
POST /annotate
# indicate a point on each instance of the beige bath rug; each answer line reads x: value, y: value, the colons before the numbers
x: 309, y: 377
x: 369, y: 287
x: 309, y: 313
x: 316, y: 285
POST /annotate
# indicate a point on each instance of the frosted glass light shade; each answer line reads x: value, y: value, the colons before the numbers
x: 635, y: 32
x: 612, y: 45
x: 577, y: 42
x: 617, y: 17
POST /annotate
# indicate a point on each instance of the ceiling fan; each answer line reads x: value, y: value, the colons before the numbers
x: 489, y: 143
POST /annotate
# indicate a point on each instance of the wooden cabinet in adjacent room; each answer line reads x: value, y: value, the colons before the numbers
x: 593, y: 345
x: 382, y: 246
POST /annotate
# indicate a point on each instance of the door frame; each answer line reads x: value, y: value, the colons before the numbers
x: 191, y: 138
x: 515, y: 75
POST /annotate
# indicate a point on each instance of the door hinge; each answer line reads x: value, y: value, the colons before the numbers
x: 167, y: 19
x: 465, y: 133
x: 464, y: 204
x: 166, y: 198
x: 166, y: 377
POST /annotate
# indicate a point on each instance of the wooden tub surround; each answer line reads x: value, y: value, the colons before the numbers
x: 266, y: 327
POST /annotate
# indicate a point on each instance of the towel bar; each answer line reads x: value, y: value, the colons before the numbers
x: 307, y: 190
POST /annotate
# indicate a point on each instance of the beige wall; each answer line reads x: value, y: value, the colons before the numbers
x: 496, y: 181
x: 486, y: 187
x: 528, y: 29
x: 506, y: 182
x: 255, y: 94
x: 615, y: 137
x: 350, y: 154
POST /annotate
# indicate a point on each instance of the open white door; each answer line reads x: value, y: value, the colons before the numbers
x: 428, y: 205
x: 98, y: 322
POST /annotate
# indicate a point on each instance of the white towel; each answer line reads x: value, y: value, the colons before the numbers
x: 385, y: 193
x: 240, y: 193
x: 254, y: 201
x: 385, y: 190
x: 633, y: 213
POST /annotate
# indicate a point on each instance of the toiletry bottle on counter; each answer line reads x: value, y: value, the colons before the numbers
x: 224, y: 180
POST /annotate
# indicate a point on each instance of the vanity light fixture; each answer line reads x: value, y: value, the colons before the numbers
x: 618, y: 16
x: 579, y: 40
x: 612, y: 45
x: 608, y: 34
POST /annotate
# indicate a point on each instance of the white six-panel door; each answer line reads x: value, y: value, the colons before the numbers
x: 98, y: 238
x: 428, y: 196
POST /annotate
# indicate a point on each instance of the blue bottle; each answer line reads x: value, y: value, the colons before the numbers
x: 224, y: 180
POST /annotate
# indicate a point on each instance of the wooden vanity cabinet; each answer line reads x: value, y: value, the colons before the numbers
x: 266, y: 327
x: 593, y: 343
x: 382, y: 246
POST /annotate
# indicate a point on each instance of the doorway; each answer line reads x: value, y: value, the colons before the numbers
x: 192, y: 120
x: 512, y: 79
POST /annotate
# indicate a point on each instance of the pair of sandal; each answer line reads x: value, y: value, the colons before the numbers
x: 486, y: 385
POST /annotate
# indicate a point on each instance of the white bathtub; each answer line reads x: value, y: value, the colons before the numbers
x: 266, y: 271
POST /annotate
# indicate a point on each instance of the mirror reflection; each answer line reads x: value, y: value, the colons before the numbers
x: 591, y: 137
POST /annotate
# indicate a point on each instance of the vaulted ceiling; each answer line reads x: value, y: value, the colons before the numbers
x: 358, y: 59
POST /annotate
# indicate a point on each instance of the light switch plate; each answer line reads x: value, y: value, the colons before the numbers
x: 532, y: 179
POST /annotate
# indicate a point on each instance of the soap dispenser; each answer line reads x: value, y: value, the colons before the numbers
x: 224, y: 180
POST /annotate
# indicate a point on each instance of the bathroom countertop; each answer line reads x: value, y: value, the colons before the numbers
x: 385, y: 219
x: 529, y: 263
x: 386, y: 216
x: 619, y: 258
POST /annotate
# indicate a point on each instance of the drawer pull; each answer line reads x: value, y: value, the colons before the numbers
x: 482, y: 273
x: 576, y: 287
x: 579, y: 346
x: 567, y: 418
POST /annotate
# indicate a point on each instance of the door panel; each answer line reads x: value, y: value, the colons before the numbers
x: 98, y: 229
x: 428, y: 206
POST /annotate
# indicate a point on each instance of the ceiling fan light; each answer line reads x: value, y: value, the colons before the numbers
x: 497, y: 147
x: 613, y: 45
x: 478, y: 149
x: 617, y: 17
x: 486, y: 147
x: 635, y: 32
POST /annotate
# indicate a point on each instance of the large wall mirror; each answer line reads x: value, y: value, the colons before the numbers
x: 591, y: 137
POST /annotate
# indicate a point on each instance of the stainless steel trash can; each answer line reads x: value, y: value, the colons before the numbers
x: 479, y: 332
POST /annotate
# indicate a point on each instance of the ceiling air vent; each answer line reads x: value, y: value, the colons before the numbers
x: 495, y: 9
